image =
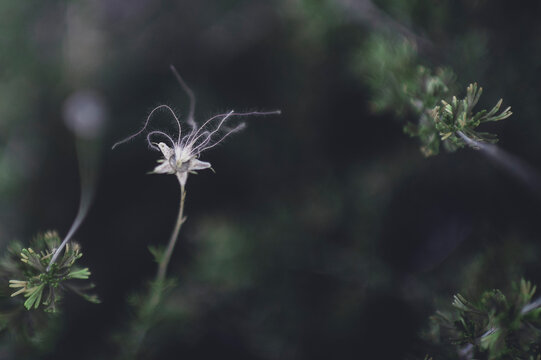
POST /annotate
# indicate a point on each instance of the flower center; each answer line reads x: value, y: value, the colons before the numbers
x: 180, y: 165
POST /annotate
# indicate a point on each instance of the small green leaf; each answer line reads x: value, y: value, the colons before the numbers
x: 34, y: 297
x: 79, y: 274
x: 157, y: 252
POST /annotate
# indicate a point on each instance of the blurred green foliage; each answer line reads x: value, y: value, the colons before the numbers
x: 400, y: 85
x: 494, y: 327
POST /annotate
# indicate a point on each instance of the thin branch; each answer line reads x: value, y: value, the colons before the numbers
x: 366, y: 12
x: 164, y: 261
x: 87, y: 173
x: 512, y: 164
x: 191, y: 96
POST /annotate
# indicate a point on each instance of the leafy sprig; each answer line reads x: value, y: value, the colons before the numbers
x: 398, y: 84
x: 451, y: 118
x: 42, y: 287
x: 494, y: 327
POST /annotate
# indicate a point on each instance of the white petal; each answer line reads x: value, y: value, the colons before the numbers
x: 166, y: 150
x: 163, y: 168
x: 199, y: 165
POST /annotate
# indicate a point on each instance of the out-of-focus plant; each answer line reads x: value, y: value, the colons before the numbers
x: 401, y: 85
x: 31, y: 295
x: 493, y: 327
x: 36, y: 277
x: 43, y: 271
x: 46, y: 287
x: 390, y: 69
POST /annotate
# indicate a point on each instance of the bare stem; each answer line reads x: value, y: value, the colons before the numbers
x: 164, y: 262
x: 515, y: 166
x: 87, y: 173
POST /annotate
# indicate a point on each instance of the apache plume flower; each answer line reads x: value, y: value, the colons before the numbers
x: 180, y: 161
x: 181, y: 155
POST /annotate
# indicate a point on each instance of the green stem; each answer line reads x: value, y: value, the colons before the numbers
x: 156, y: 290
x: 164, y: 263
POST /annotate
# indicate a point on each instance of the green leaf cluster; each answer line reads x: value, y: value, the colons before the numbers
x: 454, y: 123
x: 399, y: 83
x: 495, y: 327
x: 424, y: 93
x: 458, y: 116
x: 46, y: 287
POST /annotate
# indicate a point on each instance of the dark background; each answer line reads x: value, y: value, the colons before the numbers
x: 324, y: 233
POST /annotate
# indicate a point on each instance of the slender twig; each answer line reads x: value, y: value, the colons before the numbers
x: 531, y: 306
x: 164, y: 261
x: 512, y: 164
x: 156, y: 290
x: 189, y: 92
x: 87, y: 173
x: 366, y: 12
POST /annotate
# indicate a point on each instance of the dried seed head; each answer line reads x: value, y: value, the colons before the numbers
x: 181, y: 152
